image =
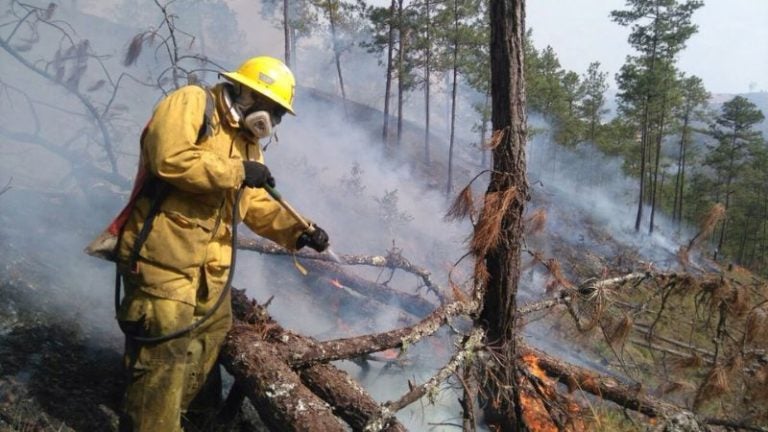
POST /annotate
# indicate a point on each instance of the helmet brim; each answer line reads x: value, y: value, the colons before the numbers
x: 259, y: 88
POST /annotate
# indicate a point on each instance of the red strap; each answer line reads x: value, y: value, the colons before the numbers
x: 117, y: 224
x: 138, y: 183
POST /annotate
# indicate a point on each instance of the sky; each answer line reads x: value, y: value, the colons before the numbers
x: 729, y: 52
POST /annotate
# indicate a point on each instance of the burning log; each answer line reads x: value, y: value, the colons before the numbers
x: 411, y: 303
x: 607, y: 388
x: 393, y: 260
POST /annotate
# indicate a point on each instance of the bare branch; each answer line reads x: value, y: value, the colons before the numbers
x: 391, y: 260
x: 7, y: 186
x: 470, y: 344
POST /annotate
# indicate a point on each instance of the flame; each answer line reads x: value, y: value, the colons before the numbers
x: 535, y: 413
x: 390, y: 354
x: 336, y: 283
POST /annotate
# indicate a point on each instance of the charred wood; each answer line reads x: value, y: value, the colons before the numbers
x: 575, y: 377
x: 380, y: 292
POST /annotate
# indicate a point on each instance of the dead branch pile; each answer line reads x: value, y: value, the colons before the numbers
x: 289, y: 379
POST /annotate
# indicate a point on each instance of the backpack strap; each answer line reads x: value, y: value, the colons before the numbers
x: 206, y: 130
x: 157, y: 189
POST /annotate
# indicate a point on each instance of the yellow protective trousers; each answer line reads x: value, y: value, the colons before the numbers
x: 169, y: 380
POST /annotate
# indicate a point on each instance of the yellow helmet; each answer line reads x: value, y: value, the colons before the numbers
x: 268, y: 76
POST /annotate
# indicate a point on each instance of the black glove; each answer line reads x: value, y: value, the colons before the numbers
x: 316, y: 238
x: 257, y: 175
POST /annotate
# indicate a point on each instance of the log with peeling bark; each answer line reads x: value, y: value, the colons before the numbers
x: 283, y: 402
x: 347, y: 399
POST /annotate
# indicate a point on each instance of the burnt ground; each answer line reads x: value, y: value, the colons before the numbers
x: 60, y: 351
x: 54, y: 374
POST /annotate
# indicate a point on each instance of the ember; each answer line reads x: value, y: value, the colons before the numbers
x: 390, y: 354
x: 535, y: 412
x: 535, y: 398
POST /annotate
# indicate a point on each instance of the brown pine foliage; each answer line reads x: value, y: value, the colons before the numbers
x: 463, y: 205
x: 134, y: 50
x: 715, y: 384
x: 496, y: 138
x: 536, y: 222
x: 619, y: 331
x: 756, y: 325
x: 488, y: 229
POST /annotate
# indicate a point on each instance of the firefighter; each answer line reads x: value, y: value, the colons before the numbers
x: 200, y: 148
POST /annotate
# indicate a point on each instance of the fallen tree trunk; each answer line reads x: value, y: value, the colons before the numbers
x: 346, y: 348
x: 349, y: 401
x: 283, y: 402
x: 610, y: 389
x: 321, y: 263
x: 410, y: 303
x: 346, y: 398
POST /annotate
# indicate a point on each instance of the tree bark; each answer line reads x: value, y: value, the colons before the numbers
x: 287, y: 34
x: 400, y: 71
x: 388, y: 87
x: 283, y: 402
x: 454, y: 91
x: 346, y: 398
x: 502, y: 260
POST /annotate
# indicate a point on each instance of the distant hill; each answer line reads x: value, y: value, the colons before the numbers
x: 758, y: 98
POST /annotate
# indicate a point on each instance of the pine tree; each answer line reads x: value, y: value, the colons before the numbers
x: 498, y: 266
x: 594, y: 85
x: 660, y: 29
x: 694, y: 96
x: 382, y: 30
x: 736, y: 143
x: 297, y: 19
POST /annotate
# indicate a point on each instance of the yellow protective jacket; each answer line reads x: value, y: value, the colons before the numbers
x: 191, y: 234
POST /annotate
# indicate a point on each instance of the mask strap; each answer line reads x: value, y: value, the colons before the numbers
x: 233, y: 111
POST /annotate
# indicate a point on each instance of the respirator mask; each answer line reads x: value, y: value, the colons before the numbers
x: 257, y: 114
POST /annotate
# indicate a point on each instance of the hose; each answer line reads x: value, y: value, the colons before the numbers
x: 227, y: 287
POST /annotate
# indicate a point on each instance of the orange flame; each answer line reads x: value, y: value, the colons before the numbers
x: 535, y: 413
x: 390, y: 354
x: 336, y: 283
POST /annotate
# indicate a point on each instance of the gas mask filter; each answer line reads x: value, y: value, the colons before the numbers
x: 259, y: 123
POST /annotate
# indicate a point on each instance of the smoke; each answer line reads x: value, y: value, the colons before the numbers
x: 329, y: 164
x: 589, y: 199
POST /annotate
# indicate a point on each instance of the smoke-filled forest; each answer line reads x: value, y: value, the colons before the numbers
x: 515, y: 246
